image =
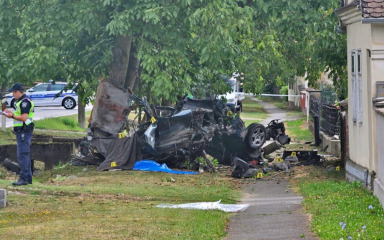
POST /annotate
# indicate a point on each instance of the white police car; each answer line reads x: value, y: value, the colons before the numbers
x: 44, y: 94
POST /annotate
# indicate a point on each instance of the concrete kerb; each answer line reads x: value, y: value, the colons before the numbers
x: 3, y: 198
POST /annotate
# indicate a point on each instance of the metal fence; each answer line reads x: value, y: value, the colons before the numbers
x: 330, y: 122
x: 322, y: 106
x: 314, y: 106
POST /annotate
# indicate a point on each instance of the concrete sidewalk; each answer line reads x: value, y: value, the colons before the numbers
x: 275, y: 212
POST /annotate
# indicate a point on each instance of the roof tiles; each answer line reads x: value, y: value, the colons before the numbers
x: 372, y: 8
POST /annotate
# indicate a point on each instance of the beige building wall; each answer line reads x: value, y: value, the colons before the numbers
x: 377, y: 73
x: 360, y: 133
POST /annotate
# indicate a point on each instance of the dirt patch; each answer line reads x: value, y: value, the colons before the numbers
x: 300, y: 172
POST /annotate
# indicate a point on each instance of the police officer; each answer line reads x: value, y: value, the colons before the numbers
x: 23, y: 128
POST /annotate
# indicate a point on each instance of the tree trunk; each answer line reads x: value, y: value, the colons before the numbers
x: 81, y: 114
x: 3, y: 89
x: 133, y: 70
x: 120, y: 60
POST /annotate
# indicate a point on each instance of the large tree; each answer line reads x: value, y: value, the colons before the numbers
x: 171, y: 46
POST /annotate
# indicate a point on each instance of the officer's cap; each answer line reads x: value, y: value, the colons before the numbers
x: 16, y: 87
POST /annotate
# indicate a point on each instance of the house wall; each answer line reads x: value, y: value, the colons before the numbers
x: 377, y: 66
x: 360, y: 133
x: 377, y: 74
x: 379, y: 180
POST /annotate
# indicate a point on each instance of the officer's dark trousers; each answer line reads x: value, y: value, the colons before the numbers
x: 23, y: 155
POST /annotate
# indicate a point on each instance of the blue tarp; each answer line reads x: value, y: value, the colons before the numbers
x: 149, y: 165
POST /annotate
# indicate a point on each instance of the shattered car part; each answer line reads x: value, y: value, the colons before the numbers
x: 243, y: 169
x: 276, y: 131
x: 308, y: 156
x: 271, y: 147
x: 281, y: 166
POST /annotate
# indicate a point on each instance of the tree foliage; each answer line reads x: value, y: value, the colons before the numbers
x: 181, y: 45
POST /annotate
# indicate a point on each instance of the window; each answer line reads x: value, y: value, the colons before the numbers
x: 40, y: 88
x: 56, y: 87
x: 360, y: 88
x: 353, y: 93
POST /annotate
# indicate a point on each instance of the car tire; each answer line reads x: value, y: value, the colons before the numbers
x: 13, y: 104
x: 256, y: 136
x: 69, y: 103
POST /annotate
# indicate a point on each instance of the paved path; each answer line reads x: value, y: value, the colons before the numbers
x: 275, y: 211
x: 274, y: 113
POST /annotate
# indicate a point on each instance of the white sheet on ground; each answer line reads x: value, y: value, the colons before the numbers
x: 208, y: 206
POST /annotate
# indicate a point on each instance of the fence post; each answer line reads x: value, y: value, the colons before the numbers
x: 317, y: 130
x: 3, y: 119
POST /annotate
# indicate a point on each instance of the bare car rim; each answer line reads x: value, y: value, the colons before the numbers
x: 256, y: 135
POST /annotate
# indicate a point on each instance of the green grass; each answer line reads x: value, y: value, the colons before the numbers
x: 115, y: 205
x: 331, y: 200
x: 67, y: 123
x: 249, y: 122
x: 7, y: 137
x: 251, y: 106
x: 296, y: 113
x: 298, y: 130
x: 252, y: 111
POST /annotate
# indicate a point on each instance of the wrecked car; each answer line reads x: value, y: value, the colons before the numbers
x: 173, y: 134
x: 169, y: 134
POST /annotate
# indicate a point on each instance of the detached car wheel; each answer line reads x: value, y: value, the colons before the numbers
x: 69, y: 103
x: 256, y: 136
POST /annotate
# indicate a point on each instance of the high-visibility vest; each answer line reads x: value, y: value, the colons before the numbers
x: 17, y: 123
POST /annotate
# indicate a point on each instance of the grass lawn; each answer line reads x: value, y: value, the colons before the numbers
x: 69, y: 203
x: 252, y: 111
x: 298, y: 130
x: 67, y: 123
x: 333, y: 202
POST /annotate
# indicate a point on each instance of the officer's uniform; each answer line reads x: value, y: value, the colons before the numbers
x: 23, y: 131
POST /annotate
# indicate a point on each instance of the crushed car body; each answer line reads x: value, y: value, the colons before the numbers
x: 169, y: 134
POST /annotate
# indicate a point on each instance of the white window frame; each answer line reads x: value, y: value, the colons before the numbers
x: 353, y: 82
x: 359, y: 63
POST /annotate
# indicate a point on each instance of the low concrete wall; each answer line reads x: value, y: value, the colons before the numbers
x: 3, y: 198
x: 331, y: 145
x: 378, y: 190
x: 49, y: 153
x: 355, y: 172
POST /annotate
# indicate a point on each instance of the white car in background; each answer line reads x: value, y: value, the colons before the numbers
x: 236, y: 95
x: 44, y: 94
